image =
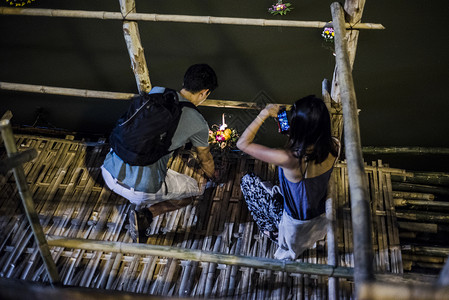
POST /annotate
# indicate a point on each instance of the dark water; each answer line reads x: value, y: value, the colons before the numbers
x: 400, y: 73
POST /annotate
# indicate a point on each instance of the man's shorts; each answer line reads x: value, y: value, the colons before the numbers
x: 177, y: 186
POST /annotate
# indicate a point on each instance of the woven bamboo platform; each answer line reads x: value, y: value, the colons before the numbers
x: 72, y: 201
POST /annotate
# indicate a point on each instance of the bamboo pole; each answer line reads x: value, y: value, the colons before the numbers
x: 28, y: 204
x: 400, y: 291
x: 353, y: 13
x: 104, y: 15
x: 428, y: 204
x: 6, y: 116
x: 422, y: 227
x: 361, y: 215
x: 426, y: 250
x: 30, y: 88
x: 17, y: 159
x: 431, y: 178
x: 405, y: 150
x: 423, y: 216
x: 135, y: 49
x: 332, y: 247
x: 421, y: 188
x: 200, y: 255
x: 413, y: 196
x: 354, y: 10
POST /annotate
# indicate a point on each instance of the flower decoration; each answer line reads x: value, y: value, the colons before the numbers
x: 280, y: 8
x: 222, y: 137
x: 17, y: 3
x: 328, y: 32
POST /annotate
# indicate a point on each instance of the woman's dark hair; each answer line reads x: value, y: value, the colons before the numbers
x: 310, y: 126
x: 199, y: 77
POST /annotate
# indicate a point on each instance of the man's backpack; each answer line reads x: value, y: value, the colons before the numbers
x: 143, y: 134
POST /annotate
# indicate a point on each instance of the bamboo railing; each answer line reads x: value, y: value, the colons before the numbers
x: 135, y: 48
x: 332, y: 247
x: 17, y: 159
x: 200, y: 255
x: 30, y: 88
x: 28, y: 203
x: 104, y: 15
x: 406, y: 150
x: 360, y: 207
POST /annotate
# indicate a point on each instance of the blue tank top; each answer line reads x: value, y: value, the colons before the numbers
x: 306, y: 199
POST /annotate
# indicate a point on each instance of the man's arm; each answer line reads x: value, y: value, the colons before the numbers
x: 206, y: 161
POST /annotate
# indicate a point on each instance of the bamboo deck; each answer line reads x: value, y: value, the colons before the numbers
x: 72, y: 201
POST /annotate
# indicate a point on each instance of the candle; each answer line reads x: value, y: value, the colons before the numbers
x: 223, y: 126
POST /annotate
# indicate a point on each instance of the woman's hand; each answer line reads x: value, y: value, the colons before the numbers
x: 271, y: 110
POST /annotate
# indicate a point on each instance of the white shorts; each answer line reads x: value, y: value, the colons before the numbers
x: 177, y: 186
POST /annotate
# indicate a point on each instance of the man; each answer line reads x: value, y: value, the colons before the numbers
x: 154, y: 189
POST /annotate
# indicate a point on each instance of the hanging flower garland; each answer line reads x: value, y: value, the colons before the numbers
x: 280, y: 8
x: 221, y: 137
x: 328, y: 32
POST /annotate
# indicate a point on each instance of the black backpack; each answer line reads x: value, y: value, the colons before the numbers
x: 143, y: 134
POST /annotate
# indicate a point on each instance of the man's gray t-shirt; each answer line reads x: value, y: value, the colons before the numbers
x: 192, y: 127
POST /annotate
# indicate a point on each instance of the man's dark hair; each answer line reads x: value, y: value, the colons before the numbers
x: 310, y: 126
x: 199, y: 77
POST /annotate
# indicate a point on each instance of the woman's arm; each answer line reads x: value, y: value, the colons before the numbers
x: 245, y: 143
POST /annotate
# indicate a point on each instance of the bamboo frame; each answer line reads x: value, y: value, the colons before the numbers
x: 353, y: 13
x: 406, y: 150
x: 361, y: 215
x: 104, y: 15
x: 332, y: 247
x: 135, y: 49
x: 28, y: 204
x: 17, y: 159
x: 430, y: 178
x: 201, y: 255
x: 31, y: 88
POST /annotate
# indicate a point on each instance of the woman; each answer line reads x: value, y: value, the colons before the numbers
x: 295, y: 217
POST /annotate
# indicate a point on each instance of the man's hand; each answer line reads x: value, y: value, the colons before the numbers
x: 206, y: 161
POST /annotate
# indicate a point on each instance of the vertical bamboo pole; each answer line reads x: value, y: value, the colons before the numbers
x: 135, y: 49
x: 360, y: 209
x: 28, y: 204
x: 332, y: 248
x: 325, y: 88
x: 354, y: 10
